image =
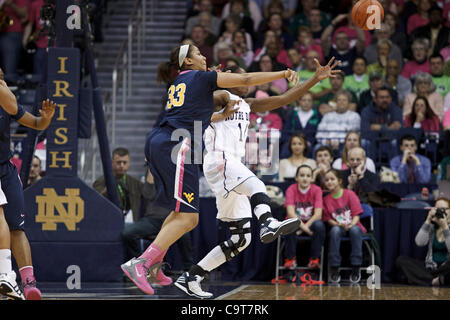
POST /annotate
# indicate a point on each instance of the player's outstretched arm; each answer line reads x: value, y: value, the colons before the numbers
x: 274, y: 102
x: 42, y: 122
x: 8, y: 100
x: 232, y: 80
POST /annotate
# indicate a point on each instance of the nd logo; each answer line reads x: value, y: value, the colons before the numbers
x: 53, y: 209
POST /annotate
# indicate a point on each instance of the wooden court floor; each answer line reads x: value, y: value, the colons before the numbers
x: 246, y: 291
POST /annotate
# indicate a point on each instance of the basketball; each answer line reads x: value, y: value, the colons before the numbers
x: 367, y: 14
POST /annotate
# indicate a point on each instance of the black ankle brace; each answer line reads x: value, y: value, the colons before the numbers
x: 197, y: 270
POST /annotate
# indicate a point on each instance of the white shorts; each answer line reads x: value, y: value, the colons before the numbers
x: 224, y: 173
x: 234, y: 207
x: 3, y: 200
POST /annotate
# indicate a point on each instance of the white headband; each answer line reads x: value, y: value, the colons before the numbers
x: 183, y: 53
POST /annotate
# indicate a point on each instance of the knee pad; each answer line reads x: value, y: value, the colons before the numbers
x: 240, y: 238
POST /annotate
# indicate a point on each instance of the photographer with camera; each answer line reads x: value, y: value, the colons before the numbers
x: 436, y: 234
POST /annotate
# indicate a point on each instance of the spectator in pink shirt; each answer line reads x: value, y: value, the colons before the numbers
x: 424, y: 86
x: 305, y: 43
x: 11, y: 35
x: 420, y: 18
x: 446, y: 120
x: 269, y: 119
x: 41, y: 42
x: 304, y: 201
x: 341, y: 210
x: 420, y: 61
x: 422, y: 116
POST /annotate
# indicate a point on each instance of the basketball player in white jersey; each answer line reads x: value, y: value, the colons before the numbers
x: 234, y: 184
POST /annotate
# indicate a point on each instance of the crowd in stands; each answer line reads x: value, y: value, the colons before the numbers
x: 392, y: 78
x: 24, y: 34
x: 388, y: 108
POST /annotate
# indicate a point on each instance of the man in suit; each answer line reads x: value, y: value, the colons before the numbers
x: 357, y: 177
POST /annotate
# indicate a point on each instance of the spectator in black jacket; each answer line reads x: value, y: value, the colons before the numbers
x: 357, y: 177
x: 376, y: 81
x: 436, y: 31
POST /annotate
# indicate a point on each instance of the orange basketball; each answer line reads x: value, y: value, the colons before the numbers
x: 367, y: 14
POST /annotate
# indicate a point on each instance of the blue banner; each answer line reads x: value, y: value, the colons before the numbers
x: 62, y: 134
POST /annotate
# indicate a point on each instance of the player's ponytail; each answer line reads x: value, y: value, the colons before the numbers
x: 166, y: 69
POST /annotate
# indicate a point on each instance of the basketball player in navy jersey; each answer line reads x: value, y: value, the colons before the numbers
x: 191, y: 102
x: 232, y: 182
x: 12, y: 207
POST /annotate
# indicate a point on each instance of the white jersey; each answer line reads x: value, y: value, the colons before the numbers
x: 229, y: 135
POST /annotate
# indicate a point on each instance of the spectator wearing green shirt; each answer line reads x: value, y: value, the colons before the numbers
x: 357, y: 82
x: 328, y: 101
x: 322, y: 87
x: 384, y: 47
x: 441, y: 81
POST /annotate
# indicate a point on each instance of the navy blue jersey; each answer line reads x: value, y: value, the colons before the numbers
x: 5, y: 135
x: 190, y: 98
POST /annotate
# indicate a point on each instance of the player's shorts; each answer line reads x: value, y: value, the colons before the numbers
x: 224, y: 173
x: 11, y: 190
x: 176, y: 180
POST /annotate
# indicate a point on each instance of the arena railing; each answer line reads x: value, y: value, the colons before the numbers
x: 121, y: 78
x: 123, y: 66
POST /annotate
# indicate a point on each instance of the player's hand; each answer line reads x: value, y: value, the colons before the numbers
x: 230, y: 109
x: 291, y: 76
x: 48, y: 109
x: 217, y: 68
x: 323, y: 72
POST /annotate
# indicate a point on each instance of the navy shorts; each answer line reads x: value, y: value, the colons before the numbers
x: 11, y: 186
x: 176, y: 176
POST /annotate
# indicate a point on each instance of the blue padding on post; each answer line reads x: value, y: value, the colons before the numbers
x: 97, y: 261
x: 85, y: 113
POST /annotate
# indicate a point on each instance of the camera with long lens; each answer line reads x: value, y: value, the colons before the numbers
x: 440, y: 213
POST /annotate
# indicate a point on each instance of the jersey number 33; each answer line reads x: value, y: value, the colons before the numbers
x: 176, y: 96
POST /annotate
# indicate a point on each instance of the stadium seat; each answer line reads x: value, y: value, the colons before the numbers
x: 367, y: 214
x: 278, y: 267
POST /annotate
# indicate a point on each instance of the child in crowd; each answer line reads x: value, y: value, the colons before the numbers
x: 324, y: 159
x: 341, y: 209
x: 304, y: 201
